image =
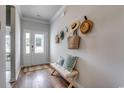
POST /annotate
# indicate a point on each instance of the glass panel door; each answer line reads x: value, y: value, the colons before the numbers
x: 8, y: 49
x: 34, y: 47
x: 8, y: 55
x: 39, y: 43
x: 27, y: 43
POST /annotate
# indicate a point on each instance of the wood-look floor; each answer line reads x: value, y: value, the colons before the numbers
x: 40, y: 79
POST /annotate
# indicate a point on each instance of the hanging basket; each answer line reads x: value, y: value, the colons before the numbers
x: 73, y: 41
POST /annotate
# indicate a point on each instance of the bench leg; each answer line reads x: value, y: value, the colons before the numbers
x: 72, y: 82
x: 70, y: 85
x: 53, y: 72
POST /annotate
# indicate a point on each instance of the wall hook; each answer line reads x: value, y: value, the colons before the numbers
x: 66, y: 28
x: 85, y: 17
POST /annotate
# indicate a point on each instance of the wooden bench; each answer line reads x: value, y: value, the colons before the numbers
x: 69, y: 76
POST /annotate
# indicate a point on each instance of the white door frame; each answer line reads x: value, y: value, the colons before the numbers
x: 34, y: 59
x: 2, y: 46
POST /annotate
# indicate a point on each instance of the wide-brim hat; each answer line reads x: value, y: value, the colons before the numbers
x: 86, y: 26
x: 74, y: 26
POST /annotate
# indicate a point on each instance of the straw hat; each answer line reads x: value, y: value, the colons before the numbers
x: 86, y: 26
x: 74, y: 26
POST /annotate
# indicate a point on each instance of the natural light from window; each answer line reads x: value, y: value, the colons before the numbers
x: 39, y: 43
x: 27, y: 43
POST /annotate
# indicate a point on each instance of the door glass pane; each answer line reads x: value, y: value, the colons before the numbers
x: 39, y: 43
x: 8, y: 48
x: 27, y: 43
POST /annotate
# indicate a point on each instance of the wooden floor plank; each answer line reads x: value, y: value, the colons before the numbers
x: 39, y: 79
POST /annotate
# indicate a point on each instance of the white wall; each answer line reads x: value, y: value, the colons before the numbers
x: 17, y: 42
x: 101, y: 52
x: 12, y: 24
x: 2, y: 46
x: 30, y: 26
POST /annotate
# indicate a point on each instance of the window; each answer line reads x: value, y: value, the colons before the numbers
x: 39, y: 43
x: 27, y: 43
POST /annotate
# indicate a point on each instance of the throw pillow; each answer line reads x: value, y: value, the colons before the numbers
x: 60, y: 61
x: 70, y: 62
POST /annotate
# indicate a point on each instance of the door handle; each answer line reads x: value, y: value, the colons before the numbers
x: 32, y: 47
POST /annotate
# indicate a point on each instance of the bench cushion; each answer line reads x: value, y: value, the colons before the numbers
x: 62, y: 71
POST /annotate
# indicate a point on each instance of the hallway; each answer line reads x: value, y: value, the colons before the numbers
x: 39, y: 79
x: 34, y: 35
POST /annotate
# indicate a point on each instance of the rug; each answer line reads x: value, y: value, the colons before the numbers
x: 35, y: 68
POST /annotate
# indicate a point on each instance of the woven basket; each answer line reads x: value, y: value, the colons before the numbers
x: 73, y: 42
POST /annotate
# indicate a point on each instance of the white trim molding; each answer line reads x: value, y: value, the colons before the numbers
x: 57, y: 14
x: 18, y: 10
x: 17, y: 74
x: 34, y: 20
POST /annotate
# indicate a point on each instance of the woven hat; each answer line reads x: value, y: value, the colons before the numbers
x: 86, y: 26
x: 74, y: 26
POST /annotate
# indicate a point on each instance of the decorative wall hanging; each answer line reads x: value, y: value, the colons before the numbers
x: 62, y: 35
x: 57, y: 39
x: 86, y: 26
x: 74, y: 41
x: 66, y: 29
x: 74, y: 26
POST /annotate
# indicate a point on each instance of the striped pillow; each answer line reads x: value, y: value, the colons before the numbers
x: 70, y: 62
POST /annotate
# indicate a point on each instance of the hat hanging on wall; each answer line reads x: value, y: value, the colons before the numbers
x: 57, y: 39
x: 86, y: 26
x: 62, y: 35
x: 74, y: 26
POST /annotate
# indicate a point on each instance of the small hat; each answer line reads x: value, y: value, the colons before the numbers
x: 74, y: 26
x: 86, y: 26
x: 57, y: 38
x: 62, y: 35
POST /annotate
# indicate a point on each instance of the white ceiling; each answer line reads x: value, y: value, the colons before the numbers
x: 40, y: 12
